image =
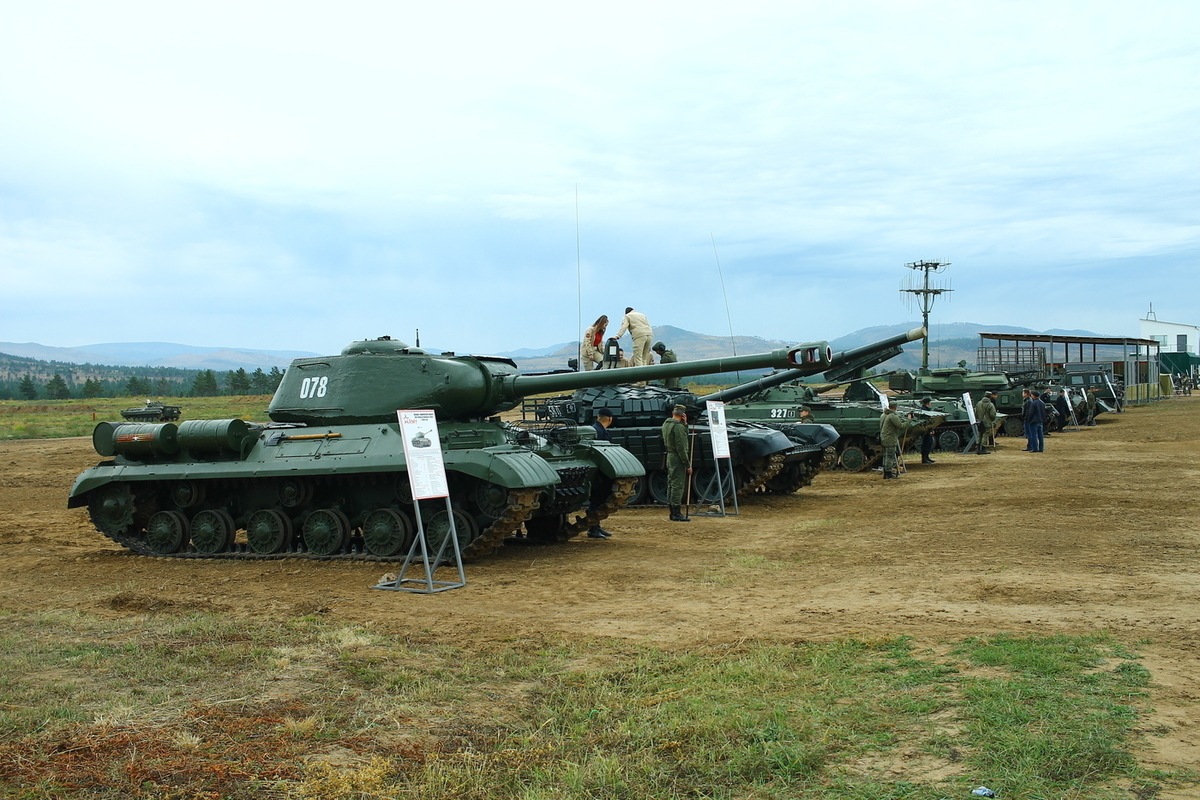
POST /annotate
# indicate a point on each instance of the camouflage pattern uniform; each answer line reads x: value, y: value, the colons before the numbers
x: 675, y: 441
x: 985, y: 418
x: 891, y: 425
x: 666, y: 356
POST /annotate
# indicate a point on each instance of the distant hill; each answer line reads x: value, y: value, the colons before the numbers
x: 157, y: 354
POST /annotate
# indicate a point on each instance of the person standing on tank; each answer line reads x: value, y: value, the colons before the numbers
x: 679, y: 462
x: 604, y: 418
x: 891, y: 426
x: 591, y: 351
x: 1036, y: 419
x: 639, y: 329
x: 666, y: 356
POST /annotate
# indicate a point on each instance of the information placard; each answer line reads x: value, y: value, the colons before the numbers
x: 716, y: 424
x: 423, y: 452
x: 970, y: 408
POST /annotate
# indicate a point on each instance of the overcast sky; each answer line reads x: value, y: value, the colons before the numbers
x: 299, y: 175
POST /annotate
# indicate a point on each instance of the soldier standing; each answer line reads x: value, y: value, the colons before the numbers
x: 675, y: 442
x: 1091, y: 406
x: 639, y: 328
x: 985, y: 420
x: 604, y: 418
x: 666, y: 356
x: 891, y: 425
x: 927, y: 437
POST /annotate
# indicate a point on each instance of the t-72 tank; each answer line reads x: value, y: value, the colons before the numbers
x: 951, y: 382
x: 327, y: 477
x: 767, y: 454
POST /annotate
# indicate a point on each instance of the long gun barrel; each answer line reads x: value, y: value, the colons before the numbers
x: 841, y: 362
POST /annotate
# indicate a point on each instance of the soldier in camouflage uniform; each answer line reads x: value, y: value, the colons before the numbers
x: 985, y: 419
x: 1091, y: 406
x: 666, y: 356
x: 675, y: 441
x: 891, y: 426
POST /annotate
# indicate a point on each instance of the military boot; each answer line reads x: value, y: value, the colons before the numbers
x: 677, y: 515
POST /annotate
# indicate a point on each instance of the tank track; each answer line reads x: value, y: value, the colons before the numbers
x: 622, y: 491
x: 775, y: 463
x: 521, y: 503
x: 805, y: 472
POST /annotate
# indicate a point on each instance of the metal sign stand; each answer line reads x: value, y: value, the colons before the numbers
x: 719, y: 438
x: 427, y: 478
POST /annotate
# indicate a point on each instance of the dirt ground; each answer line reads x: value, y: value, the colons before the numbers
x: 1099, y: 533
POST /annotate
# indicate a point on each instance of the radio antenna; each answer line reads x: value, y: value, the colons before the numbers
x: 578, y: 286
x: 728, y: 318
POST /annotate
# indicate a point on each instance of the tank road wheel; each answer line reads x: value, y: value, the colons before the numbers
x: 657, y: 487
x: 1014, y: 426
x: 212, y: 531
x: 268, y: 531
x: 707, y: 489
x: 949, y: 441
x: 167, y: 532
x: 187, y: 494
x: 387, y: 532
x: 490, y: 498
x: 829, y: 457
x: 546, y: 529
x: 325, y: 531
x: 854, y: 458
x: 112, y: 508
x: 641, y: 491
x: 294, y: 492
x: 790, y: 479
x: 437, y: 530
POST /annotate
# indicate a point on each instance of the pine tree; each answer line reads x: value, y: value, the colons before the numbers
x: 205, y: 384
x: 237, y: 381
x: 56, y: 388
x: 162, y: 387
x: 260, y: 383
x: 276, y: 378
x: 137, y: 387
x: 27, y: 389
x: 93, y: 388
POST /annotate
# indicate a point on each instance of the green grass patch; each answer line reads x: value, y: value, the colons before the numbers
x: 198, y: 705
x: 51, y: 419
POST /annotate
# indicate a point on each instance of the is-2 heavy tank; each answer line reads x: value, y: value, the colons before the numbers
x: 768, y: 453
x: 327, y: 476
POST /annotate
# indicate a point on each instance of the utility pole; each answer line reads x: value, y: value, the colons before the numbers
x: 926, y: 293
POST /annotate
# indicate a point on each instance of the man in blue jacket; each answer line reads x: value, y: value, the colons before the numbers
x: 1035, y: 418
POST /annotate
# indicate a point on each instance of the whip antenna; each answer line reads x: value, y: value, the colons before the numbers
x: 578, y: 286
x: 728, y: 318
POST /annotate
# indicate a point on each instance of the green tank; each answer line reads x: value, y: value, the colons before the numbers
x: 152, y: 411
x: 326, y: 478
x: 769, y: 453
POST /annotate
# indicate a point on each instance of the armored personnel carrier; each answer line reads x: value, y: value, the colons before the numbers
x: 152, y: 411
x: 952, y: 382
x: 327, y: 477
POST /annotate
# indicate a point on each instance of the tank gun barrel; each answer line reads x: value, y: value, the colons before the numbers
x: 841, y: 360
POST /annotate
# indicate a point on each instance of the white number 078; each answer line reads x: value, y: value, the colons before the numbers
x: 314, y: 387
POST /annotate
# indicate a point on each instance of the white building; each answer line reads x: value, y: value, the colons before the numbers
x: 1172, y: 336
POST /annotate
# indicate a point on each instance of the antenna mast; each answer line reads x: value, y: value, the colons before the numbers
x: 926, y: 294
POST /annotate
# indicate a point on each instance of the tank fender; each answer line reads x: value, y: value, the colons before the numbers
x: 615, y: 461
x: 88, y: 481
x: 762, y: 443
x: 512, y: 469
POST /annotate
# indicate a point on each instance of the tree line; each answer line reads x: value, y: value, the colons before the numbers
x: 59, y: 381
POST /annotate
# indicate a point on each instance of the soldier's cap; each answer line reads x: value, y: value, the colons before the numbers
x: 679, y: 410
x: 926, y: 401
x: 658, y: 347
x: 604, y: 412
x: 804, y: 408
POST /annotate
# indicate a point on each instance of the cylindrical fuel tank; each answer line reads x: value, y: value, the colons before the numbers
x: 135, y: 438
x: 213, y: 435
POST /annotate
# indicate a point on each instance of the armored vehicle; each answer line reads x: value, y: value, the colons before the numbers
x: 770, y: 452
x: 327, y: 477
x: 1081, y: 378
x: 951, y: 382
x: 152, y: 411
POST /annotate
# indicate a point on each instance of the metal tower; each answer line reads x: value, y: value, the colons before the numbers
x: 926, y: 292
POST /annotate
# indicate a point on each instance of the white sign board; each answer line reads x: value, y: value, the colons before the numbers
x: 970, y: 408
x: 716, y: 424
x: 883, y: 401
x: 423, y: 452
